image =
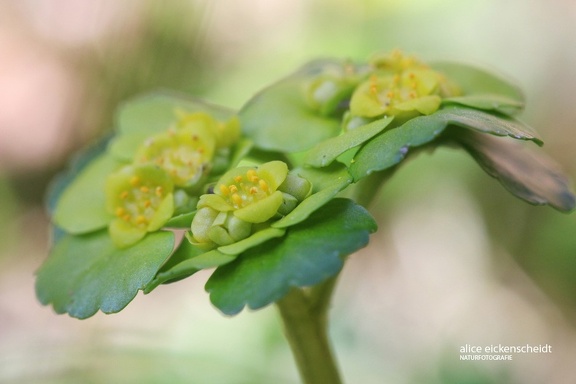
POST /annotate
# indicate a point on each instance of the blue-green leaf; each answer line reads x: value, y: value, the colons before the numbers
x: 186, y: 261
x: 279, y: 118
x: 81, y: 206
x: 391, y: 147
x: 311, y: 252
x: 489, y: 102
x: 327, y: 151
x: 87, y: 273
x: 482, y: 89
x: 156, y: 112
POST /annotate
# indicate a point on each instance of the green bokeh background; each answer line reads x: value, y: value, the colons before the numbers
x: 456, y: 260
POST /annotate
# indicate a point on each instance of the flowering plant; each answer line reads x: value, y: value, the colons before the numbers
x: 274, y: 196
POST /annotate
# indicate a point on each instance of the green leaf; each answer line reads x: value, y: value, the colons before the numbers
x: 186, y: 261
x: 182, y: 221
x: 488, y: 102
x: 81, y: 207
x: 124, y: 146
x: 156, y: 112
x: 478, y: 82
x: 309, y: 253
x: 528, y: 174
x: 327, y: 151
x: 79, y: 162
x: 326, y: 183
x: 86, y: 273
x: 255, y: 239
x: 487, y: 123
x: 392, y: 146
x: 279, y: 118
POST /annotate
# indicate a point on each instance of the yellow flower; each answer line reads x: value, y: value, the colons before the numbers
x: 409, y: 93
x: 140, y: 197
x: 245, y: 198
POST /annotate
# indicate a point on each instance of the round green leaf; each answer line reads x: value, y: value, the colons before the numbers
x: 156, y: 112
x: 479, y: 82
x: 87, y: 273
x: 81, y: 207
x: 279, y: 118
x: 309, y: 253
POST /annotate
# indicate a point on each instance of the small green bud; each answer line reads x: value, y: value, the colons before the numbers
x: 296, y: 186
x: 328, y: 91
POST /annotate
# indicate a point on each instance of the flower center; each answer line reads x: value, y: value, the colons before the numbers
x: 398, y: 90
x: 182, y: 153
x: 245, y: 189
x: 139, y: 203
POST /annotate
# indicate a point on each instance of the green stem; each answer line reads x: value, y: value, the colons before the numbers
x: 304, y: 314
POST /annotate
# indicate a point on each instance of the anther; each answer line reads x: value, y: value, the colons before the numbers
x: 134, y: 181
x: 253, y: 190
x: 237, y: 199
x: 233, y: 188
x: 120, y: 211
x: 238, y: 178
x: 147, y: 204
x: 124, y: 195
x: 263, y: 185
x: 140, y: 219
x: 159, y: 191
x: 225, y: 191
x: 144, y: 189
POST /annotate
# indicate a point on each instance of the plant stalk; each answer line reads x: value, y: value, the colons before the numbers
x: 304, y: 314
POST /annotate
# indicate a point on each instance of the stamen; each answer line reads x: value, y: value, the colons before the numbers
x: 120, y: 211
x: 233, y: 188
x: 147, y: 204
x: 237, y: 199
x: 238, y: 178
x: 263, y: 185
x: 144, y: 189
x: 253, y: 190
x: 134, y: 181
x: 140, y: 219
x: 225, y: 191
x: 124, y: 195
x: 159, y: 191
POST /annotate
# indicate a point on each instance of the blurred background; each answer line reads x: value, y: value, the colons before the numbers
x: 456, y: 261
